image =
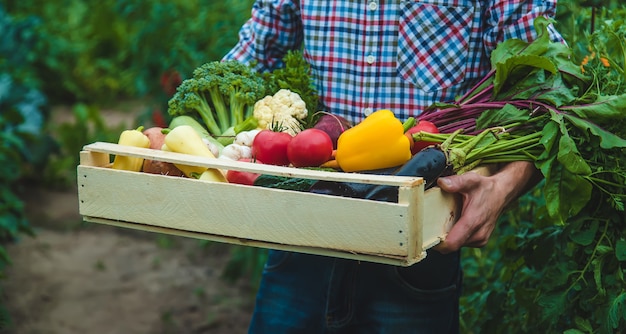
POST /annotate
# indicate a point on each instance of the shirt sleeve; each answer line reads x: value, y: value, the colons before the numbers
x: 274, y: 28
x: 508, y: 19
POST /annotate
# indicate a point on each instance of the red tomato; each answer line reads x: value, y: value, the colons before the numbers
x: 425, y: 126
x: 247, y: 178
x: 271, y: 147
x: 310, y: 148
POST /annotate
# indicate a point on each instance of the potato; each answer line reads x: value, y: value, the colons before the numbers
x: 157, y: 139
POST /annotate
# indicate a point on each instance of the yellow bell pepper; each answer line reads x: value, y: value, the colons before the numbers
x: 131, y: 138
x: 185, y: 139
x: 377, y: 142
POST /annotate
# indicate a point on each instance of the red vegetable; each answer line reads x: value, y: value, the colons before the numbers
x: 425, y: 126
x: 239, y: 177
x: 333, y: 125
x: 271, y: 147
x: 310, y: 148
x: 157, y: 139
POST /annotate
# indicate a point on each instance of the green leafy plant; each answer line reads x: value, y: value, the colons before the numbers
x: 536, y: 275
x: 127, y: 46
x: 22, y: 115
x: 87, y: 126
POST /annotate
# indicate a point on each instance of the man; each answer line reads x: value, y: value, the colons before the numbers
x: 400, y: 55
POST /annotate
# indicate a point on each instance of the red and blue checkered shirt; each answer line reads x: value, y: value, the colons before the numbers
x: 401, y: 55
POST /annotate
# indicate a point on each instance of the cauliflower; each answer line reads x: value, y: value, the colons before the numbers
x: 284, y: 109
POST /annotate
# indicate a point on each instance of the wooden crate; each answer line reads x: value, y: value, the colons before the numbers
x: 393, y: 233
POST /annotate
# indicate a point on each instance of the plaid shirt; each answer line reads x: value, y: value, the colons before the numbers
x: 401, y: 55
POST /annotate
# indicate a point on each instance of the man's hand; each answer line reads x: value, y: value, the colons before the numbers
x: 484, y: 199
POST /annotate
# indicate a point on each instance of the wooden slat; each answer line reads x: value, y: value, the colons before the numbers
x: 256, y: 213
x: 226, y: 164
x: 370, y: 257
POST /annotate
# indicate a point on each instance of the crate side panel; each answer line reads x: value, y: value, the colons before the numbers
x: 377, y: 258
x: 255, y: 213
x: 441, y: 211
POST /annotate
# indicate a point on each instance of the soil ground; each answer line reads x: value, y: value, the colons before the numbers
x: 76, y: 277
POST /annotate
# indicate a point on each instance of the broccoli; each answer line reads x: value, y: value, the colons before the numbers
x: 222, y: 94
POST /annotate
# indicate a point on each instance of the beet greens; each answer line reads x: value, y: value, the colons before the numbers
x: 537, y: 105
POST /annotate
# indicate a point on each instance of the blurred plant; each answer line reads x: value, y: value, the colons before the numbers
x: 87, y: 126
x: 99, y: 51
x: 246, y: 262
x: 22, y: 116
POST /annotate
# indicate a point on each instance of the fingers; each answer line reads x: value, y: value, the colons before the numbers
x: 478, y: 218
x: 466, y: 234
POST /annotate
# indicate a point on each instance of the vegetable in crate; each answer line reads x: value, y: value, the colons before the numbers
x: 377, y: 142
x: 134, y: 138
x: 348, y: 189
x: 222, y: 94
x: 333, y: 125
x: 425, y: 126
x: 240, y: 177
x: 212, y: 142
x: 241, y: 148
x: 309, y: 148
x: 271, y: 147
x: 285, y: 110
x: 429, y: 163
x: 184, y: 139
x: 156, y: 136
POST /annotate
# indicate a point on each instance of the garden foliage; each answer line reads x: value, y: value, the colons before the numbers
x: 537, y: 275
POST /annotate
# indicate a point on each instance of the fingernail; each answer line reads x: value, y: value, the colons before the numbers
x: 445, y: 181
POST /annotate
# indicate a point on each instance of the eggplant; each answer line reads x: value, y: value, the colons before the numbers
x: 429, y: 163
x: 348, y: 189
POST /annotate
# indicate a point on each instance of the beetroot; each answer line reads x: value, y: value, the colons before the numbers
x: 333, y: 125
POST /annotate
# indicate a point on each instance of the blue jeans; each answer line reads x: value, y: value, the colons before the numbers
x: 301, y: 293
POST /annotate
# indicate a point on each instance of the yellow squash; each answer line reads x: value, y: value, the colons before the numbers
x: 185, y: 139
x: 377, y: 142
x: 131, y: 138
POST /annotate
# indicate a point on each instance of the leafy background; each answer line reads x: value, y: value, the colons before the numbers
x: 532, y: 276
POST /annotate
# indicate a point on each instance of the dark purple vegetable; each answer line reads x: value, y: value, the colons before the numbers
x: 348, y: 189
x: 429, y: 163
x: 333, y: 125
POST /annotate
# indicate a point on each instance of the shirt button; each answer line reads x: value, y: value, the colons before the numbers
x: 367, y: 111
x: 373, y: 5
x: 370, y: 59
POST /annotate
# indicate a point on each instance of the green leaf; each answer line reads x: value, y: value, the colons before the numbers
x: 617, y: 310
x: 597, y: 275
x: 516, y: 68
x: 552, y: 304
x: 565, y: 193
x: 541, y: 43
x: 604, y: 109
x: 620, y: 250
x: 585, y: 237
x: 506, y: 50
x: 514, y: 46
x: 583, y: 324
x: 557, y: 93
x: 505, y: 115
x: 570, y: 157
x: 607, y: 139
x: 573, y: 331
